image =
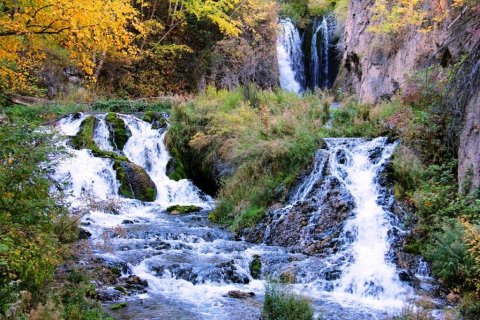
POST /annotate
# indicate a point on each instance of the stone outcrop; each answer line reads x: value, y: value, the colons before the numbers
x: 469, y: 151
x: 375, y: 66
x: 135, y: 182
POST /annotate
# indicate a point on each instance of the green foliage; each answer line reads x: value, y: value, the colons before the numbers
x: 279, y: 304
x: 451, y: 262
x: 354, y: 119
x: 28, y: 246
x: 131, y: 106
x: 262, y: 149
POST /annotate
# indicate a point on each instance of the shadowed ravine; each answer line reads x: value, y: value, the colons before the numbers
x: 190, y: 264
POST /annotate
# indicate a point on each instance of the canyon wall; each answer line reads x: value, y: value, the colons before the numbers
x: 375, y: 66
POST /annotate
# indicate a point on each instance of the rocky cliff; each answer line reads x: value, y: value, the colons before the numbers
x: 375, y: 66
x: 469, y: 151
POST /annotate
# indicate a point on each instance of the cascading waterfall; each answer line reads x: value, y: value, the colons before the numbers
x: 315, y: 69
x: 190, y: 264
x: 370, y: 274
x: 290, y: 57
x: 320, y: 63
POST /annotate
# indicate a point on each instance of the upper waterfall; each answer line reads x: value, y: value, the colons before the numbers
x: 307, y: 59
x: 290, y: 57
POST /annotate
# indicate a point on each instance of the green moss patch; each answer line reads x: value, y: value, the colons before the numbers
x: 118, y: 306
x: 157, y: 119
x: 256, y: 267
x: 177, y: 209
x: 84, y: 137
x: 119, y: 132
x: 135, y: 183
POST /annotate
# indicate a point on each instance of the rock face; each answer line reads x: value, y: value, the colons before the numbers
x: 375, y: 66
x: 469, y: 151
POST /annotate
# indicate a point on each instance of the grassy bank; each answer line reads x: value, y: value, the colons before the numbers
x: 256, y: 144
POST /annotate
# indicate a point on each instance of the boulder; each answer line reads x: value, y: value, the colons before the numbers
x: 135, y: 183
x: 236, y: 294
x: 119, y: 132
x: 178, y: 209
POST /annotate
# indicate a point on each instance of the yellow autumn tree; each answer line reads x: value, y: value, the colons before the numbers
x: 393, y: 16
x: 87, y: 30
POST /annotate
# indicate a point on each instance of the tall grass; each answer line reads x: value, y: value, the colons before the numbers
x: 279, y: 304
x: 262, y: 142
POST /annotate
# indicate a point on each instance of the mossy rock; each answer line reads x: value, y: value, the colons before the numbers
x: 156, y: 119
x: 84, y: 140
x: 177, y: 209
x: 256, y: 267
x: 84, y: 137
x: 175, y: 168
x: 121, y: 289
x: 118, y: 306
x: 119, y: 132
x: 135, y: 183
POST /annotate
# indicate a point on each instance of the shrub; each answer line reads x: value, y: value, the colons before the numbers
x: 279, y: 304
x: 451, y: 262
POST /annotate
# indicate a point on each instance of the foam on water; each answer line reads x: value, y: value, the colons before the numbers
x: 184, y: 258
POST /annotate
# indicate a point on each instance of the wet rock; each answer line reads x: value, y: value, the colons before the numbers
x: 108, y: 295
x: 312, y: 226
x: 135, y: 183
x: 127, y: 222
x: 178, y: 209
x: 119, y: 132
x: 137, y: 281
x: 156, y: 119
x: 236, y: 294
x: 406, y: 276
x: 230, y: 274
x: 83, y: 234
x: 256, y: 267
x: 288, y: 276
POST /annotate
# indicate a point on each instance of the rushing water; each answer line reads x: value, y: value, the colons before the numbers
x: 317, y: 68
x: 320, y: 64
x: 191, y: 264
x: 290, y: 57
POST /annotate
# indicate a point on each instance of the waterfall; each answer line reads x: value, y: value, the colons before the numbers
x: 321, y: 52
x: 342, y: 204
x: 191, y: 265
x: 319, y: 67
x: 290, y: 57
x: 357, y: 164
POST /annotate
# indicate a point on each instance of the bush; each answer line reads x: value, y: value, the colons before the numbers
x: 451, y: 262
x: 282, y: 305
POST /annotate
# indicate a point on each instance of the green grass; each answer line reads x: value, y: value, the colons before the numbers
x: 265, y: 143
x: 279, y: 304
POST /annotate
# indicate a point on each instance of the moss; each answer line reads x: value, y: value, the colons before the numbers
x: 177, y: 209
x: 135, y: 183
x: 84, y: 137
x: 116, y: 271
x: 175, y: 167
x: 119, y: 132
x: 157, y: 119
x: 121, y: 289
x: 256, y: 267
x: 118, y: 306
x: 84, y: 140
